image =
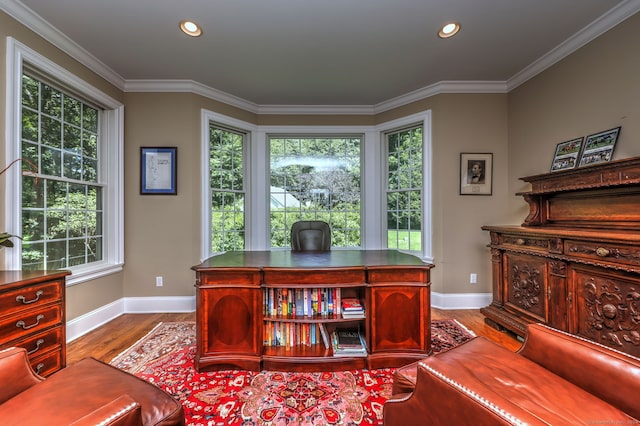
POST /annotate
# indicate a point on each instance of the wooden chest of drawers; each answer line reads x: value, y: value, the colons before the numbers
x: 32, y: 316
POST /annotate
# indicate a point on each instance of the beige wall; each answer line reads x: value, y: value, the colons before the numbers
x: 84, y: 297
x: 594, y: 89
x: 163, y: 232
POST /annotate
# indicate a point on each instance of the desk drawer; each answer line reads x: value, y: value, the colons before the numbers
x: 30, y: 297
x: 604, y: 252
x: 47, y: 363
x: 26, y: 323
x: 39, y: 343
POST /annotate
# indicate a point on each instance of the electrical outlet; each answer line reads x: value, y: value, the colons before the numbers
x: 473, y: 278
x: 159, y: 282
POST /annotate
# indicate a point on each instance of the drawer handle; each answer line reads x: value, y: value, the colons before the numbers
x: 21, y: 324
x: 24, y: 300
x: 38, y: 343
x: 39, y: 367
x: 520, y: 241
x: 602, y: 252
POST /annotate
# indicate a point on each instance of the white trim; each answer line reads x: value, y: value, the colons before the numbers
x: 460, y: 300
x: 127, y: 305
x: 83, y: 324
x: 94, y: 319
x: 608, y: 20
x: 257, y: 157
x: 35, y: 23
x: 190, y: 86
x: 251, y: 200
x: 157, y: 304
x: 598, y: 27
x: 111, y: 154
x: 424, y: 118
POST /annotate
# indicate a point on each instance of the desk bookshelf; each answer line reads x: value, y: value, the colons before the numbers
x: 231, y: 318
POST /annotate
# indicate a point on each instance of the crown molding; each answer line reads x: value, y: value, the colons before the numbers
x: 27, y: 17
x: 190, y: 86
x: 44, y: 29
x: 595, y: 29
x: 442, y: 87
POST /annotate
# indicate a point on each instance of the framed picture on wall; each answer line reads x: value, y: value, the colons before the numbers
x: 158, y: 170
x: 598, y: 148
x: 566, y: 155
x: 476, y: 173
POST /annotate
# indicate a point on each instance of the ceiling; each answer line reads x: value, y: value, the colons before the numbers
x: 329, y: 52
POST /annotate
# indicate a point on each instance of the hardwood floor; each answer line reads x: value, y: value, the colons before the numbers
x: 109, y: 340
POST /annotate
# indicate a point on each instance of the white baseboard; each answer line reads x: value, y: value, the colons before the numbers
x: 138, y: 305
x: 461, y: 300
x: 127, y: 305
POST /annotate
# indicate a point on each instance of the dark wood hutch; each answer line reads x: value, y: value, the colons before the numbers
x: 574, y: 263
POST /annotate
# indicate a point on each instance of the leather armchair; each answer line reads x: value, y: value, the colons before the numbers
x: 555, y: 378
x: 88, y: 392
x: 310, y: 235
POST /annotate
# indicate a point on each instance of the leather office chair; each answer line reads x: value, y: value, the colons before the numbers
x: 310, y: 235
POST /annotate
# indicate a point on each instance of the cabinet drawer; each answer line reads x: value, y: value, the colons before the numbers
x: 521, y: 241
x: 26, y: 323
x: 47, y: 364
x: 39, y: 343
x: 30, y: 297
x: 604, y: 252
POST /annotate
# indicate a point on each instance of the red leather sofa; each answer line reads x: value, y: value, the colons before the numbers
x: 554, y: 379
x: 88, y: 392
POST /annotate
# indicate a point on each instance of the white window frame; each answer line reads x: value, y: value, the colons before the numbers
x: 374, y: 229
x: 110, y: 154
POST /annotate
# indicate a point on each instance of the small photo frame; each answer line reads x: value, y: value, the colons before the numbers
x: 566, y: 156
x: 476, y: 173
x: 598, y: 148
x: 158, y: 170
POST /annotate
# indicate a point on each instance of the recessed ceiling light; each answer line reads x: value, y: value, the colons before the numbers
x: 190, y: 28
x: 449, y: 30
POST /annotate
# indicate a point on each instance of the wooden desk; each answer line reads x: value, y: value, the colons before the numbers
x: 231, y: 289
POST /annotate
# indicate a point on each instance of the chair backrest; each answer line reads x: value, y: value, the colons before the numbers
x: 310, y: 235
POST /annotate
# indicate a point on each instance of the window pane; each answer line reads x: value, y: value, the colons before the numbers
x: 72, y: 113
x: 77, y: 252
x: 32, y: 225
x: 30, y: 92
x: 29, y: 125
x: 58, y: 212
x: 56, y: 255
x: 32, y: 192
x: 51, y: 103
x: 226, y: 171
x: 315, y: 178
x: 404, y: 193
x: 51, y: 132
x: 32, y: 255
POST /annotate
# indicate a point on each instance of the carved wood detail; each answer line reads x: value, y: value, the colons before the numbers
x: 612, y: 315
x: 574, y: 263
x: 558, y: 268
x: 525, y: 288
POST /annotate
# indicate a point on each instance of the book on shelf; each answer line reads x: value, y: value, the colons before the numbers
x: 325, y: 335
x: 351, y: 304
x: 353, y: 314
x: 348, y: 343
x: 352, y: 308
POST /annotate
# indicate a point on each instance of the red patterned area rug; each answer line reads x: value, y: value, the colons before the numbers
x: 165, y: 357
